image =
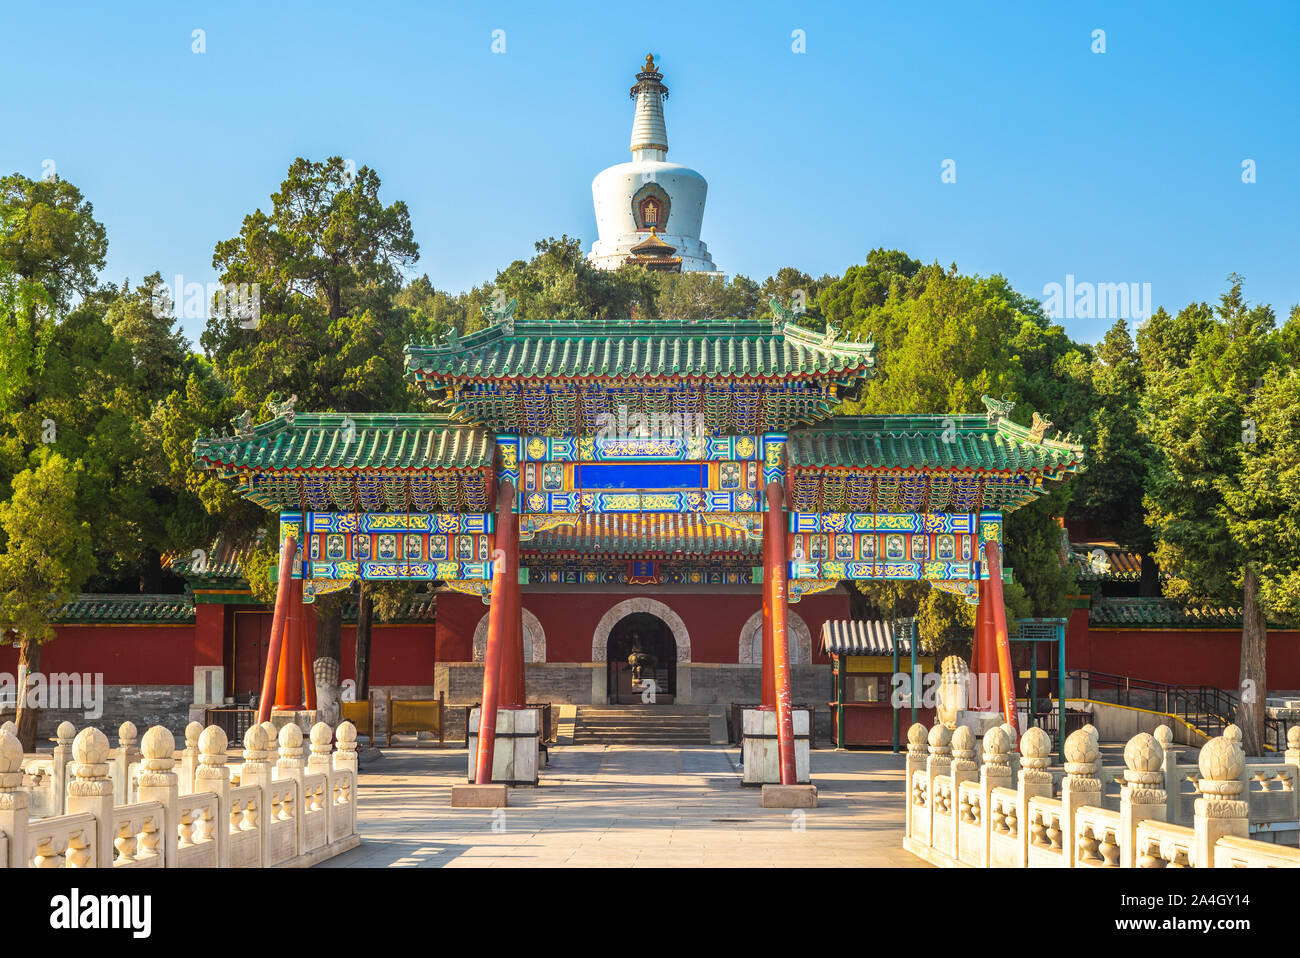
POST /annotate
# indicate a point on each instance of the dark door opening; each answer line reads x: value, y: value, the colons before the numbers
x: 641, y: 659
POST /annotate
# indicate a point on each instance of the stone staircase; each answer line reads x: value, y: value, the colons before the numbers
x: 664, y: 725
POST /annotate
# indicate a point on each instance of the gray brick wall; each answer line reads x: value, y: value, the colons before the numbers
x: 145, y: 705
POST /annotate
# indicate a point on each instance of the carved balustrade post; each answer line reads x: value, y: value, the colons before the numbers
x: 322, y: 736
x: 1171, y: 773
x: 1034, y: 781
x: 345, y: 747
x: 1080, y: 787
x: 91, y: 790
x: 1221, y: 808
x: 158, y: 783
x: 938, y: 763
x: 963, y: 769
x: 318, y: 763
x: 63, y: 737
x: 1142, y: 795
x: 1013, y: 752
x: 190, y: 757
x: 127, y: 755
x: 291, y: 763
x: 13, y: 799
x: 256, y: 769
x: 213, y: 776
x: 915, y: 762
x: 292, y: 767
x: 996, y: 773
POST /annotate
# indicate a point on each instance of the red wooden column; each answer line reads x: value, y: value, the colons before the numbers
x: 513, y: 690
x: 768, y: 675
x: 988, y: 646
x: 977, y: 637
x: 277, y: 629
x: 776, y: 559
x: 288, y: 695
x: 998, y: 613
x: 308, y: 658
x: 504, y: 566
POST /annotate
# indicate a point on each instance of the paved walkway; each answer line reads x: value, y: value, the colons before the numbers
x: 622, y: 806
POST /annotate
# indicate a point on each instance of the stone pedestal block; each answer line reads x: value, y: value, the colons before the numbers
x: 514, y: 759
x: 762, y: 756
x: 789, y: 796
x: 303, y: 718
x: 979, y: 722
x: 478, y: 796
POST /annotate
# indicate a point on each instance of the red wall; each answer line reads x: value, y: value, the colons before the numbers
x: 406, y: 654
x: 125, y: 654
x: 1188, y: 656
x: 570, y: 619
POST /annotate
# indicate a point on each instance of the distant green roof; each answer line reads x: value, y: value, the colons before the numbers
x: 931, y: 443
x: 396, y: 441
x: 1158, y: 612
x: 641, y: 349
x: 127, y: 609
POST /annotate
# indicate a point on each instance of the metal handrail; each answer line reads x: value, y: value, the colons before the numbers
x: 1204, y: 707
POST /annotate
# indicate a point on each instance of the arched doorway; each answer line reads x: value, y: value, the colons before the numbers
x: 641, y: 650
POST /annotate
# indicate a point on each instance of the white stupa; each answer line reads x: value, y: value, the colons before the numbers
x: 650, y: 211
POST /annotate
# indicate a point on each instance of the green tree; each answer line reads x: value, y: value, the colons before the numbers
x: 327, y: 263
x: 697, y: 296
x: 945, y: 339
x: 558, y: 283
x: 1196, y: 413
x: 46, y: 559
x: 49, y: 235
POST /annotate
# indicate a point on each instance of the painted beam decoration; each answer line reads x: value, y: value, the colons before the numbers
x: 597, y: 474
x: 859, y: 546
x: 343, y: 547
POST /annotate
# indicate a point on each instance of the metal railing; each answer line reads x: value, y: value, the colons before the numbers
x: 1206, y: 708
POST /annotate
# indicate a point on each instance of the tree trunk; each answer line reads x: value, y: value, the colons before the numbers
x: 29, y: 662
x: 1253, y: 681
x: 365, y: 615
x: 1149, y: 586
x: 326, y: 667
x: 151, y: 572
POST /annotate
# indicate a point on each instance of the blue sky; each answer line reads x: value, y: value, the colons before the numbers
x: 1124, y: 166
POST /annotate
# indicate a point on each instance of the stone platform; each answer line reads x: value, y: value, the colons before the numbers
x: 626, y: 806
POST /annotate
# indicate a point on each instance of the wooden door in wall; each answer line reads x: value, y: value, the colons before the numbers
x: 252, y: 641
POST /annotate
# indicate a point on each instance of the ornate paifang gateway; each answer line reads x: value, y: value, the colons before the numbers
x: 642, y: 440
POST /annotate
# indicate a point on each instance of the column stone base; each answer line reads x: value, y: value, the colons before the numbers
x: 478, y: 796
x: 789, y: 796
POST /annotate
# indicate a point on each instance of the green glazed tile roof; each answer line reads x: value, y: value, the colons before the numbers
x: 1104, y: 562
x: 218, y: 562
x: 401, y: 441
x: 127, y: 609
x: 641, y: 349
x: 1158, y: 612
x: 918, y: 442
x: 422, y: 608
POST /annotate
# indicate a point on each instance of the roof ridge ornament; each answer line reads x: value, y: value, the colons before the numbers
x: 451, y: 340
x: 832, y: 333
x: 782, y: 315
x: 285, y: 409
x: 1039, y: 427
x: 998, y: 408
x: 243, y: 424
x: 502, y: 313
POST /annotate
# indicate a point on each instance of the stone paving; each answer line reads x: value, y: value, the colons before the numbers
x: 603, y: 806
